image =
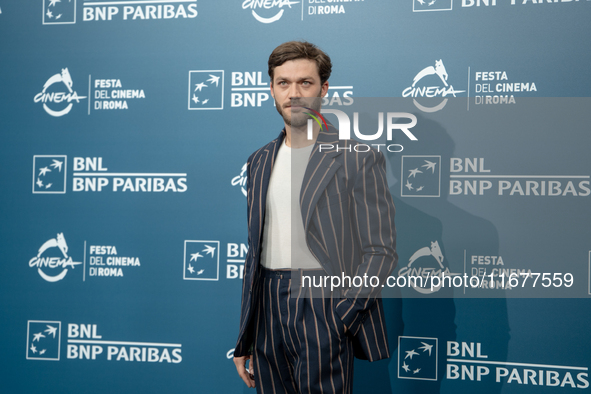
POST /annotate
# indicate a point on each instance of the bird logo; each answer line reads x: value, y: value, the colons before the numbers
x: 43, y: 340
x: 206, y: 89
x: 417, y: 358
x: 422, y: 176
x: 201, y: 260
x: 54, y: 10
x: 49, y: 172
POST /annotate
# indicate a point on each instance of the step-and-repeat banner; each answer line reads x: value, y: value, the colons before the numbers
x: 124, y: 131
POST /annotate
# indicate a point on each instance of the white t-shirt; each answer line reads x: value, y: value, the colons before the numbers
x: 284, y: 240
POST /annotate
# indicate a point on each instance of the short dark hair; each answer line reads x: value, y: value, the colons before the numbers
x: 294, y: 50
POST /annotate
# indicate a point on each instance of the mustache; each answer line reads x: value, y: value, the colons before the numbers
x: 293, y: 103
x: 303, y: 102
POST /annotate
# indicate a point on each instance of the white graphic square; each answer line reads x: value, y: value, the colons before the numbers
x: 432, y: 5
x: 206, y: 89
x: 59, y: 12
x: 43, y: 340
x: 202, y: 260
x: 49, y: 174
x: 417, y: 358
x: 421, y: 176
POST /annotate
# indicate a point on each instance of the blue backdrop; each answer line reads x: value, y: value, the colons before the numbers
x: 125, y: 127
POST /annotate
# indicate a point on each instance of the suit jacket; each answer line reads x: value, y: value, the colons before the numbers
x: 348, y: 217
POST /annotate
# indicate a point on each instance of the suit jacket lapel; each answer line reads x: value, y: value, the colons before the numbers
x: 261, y: 176
x: 321, y: 167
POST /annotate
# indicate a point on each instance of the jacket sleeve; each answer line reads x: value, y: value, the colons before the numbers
x: 244, y: 343
x: 373, y: 223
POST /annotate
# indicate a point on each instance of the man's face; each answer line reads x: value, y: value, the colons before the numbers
x: 294, y: 80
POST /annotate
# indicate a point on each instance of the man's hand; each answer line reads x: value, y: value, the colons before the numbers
x: 246, y: 375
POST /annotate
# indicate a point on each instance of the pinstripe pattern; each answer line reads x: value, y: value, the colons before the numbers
x: 348, y: 216
x: 319, y: 361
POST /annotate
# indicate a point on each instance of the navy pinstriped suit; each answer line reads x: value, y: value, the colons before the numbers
x: 348, y: 217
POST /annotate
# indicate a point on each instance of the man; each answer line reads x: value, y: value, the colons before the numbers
x: 312, y: 210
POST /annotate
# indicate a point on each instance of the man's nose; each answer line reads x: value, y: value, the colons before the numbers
x: 295, y: 91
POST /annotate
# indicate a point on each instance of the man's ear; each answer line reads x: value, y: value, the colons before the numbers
x: 324, y: 89
x: 271, y: 87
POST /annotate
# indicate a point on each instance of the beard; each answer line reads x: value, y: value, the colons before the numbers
x: 297, y: 117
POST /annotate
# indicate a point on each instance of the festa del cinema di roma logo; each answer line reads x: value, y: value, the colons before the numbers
x: 431, y: 82
x: 57, y: 95
x: 267, y: 5
x: 53, y: 257
x: 240, y: 180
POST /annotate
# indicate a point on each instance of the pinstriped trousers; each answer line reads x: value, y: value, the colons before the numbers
x: 300, y: 345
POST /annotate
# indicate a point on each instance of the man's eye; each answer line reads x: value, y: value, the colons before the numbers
x: 306, y: 83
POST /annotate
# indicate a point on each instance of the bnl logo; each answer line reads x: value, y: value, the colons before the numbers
x: 202, y: 260
x: 49, y: 174
x: 206, y: 89
x: 431, y: 5
x: 421, y: 176
x: 43, y: 340
x: 59, y: 12
x: 417, y: 358
x: 248, y: 89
